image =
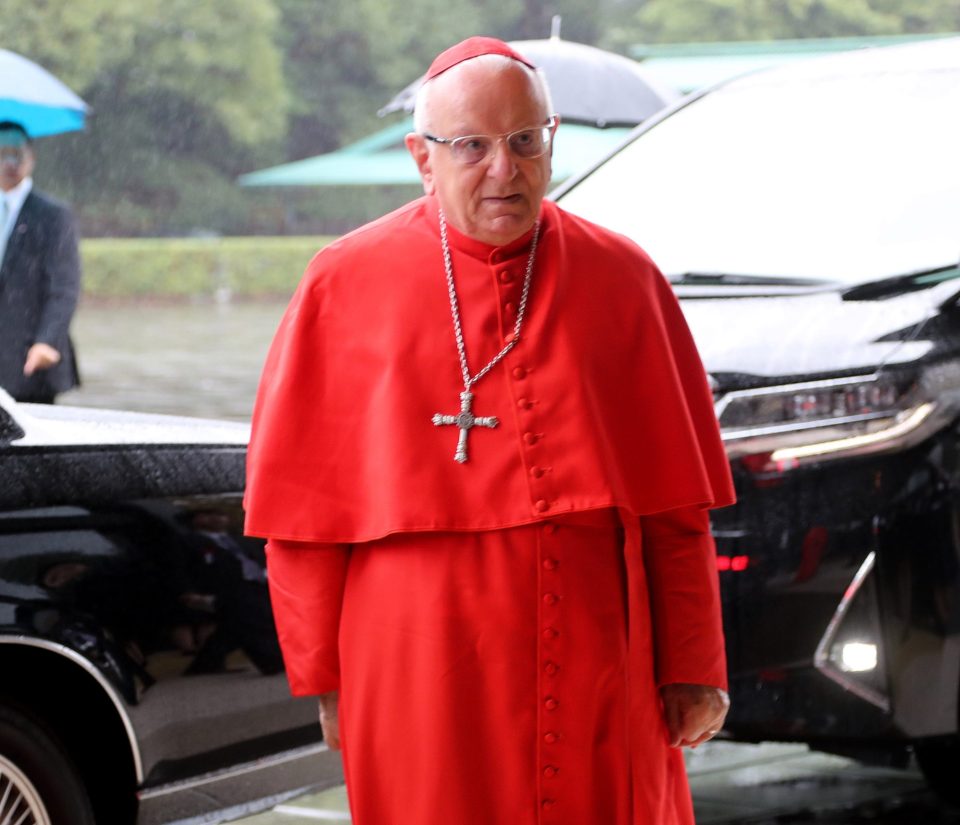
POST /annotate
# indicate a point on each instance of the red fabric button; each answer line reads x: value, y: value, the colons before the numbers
x: 550, y: 598
x: 550, y: 703
x: 550, y: 564
x: 506, y: 276
x: 550, y: 668
x: 548, y: 803
x: 524, y: 403
x: 550, y: 737
x: 531, y: 438
x: 537, y: 472
x: 508, y: 337
x: 551, y: 633
x: 542, y: 505
x: 519, y: 373
x: 510, y: 307
x: 550, y: 771
x: 549, y: 527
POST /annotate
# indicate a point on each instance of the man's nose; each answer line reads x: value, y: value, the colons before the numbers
x: 502, y: 163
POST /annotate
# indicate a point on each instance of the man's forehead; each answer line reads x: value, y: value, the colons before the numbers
x: 478, y: 88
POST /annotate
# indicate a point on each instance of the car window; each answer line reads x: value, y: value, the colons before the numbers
x: 834, y: 177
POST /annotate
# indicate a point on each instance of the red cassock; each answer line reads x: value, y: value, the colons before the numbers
x: 498, y: 629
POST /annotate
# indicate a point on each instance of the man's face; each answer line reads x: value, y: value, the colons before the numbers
x: 16, y: 159
x: 497, y: 199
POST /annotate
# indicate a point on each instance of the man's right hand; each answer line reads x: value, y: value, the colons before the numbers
x: 329, y: 721
x: 40, y: 357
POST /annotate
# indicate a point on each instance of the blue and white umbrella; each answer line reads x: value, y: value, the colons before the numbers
x: 34, y: 98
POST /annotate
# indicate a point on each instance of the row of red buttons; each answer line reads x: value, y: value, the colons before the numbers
x: 531, y: 438
x: 550, y: 653
x: 550, y: 599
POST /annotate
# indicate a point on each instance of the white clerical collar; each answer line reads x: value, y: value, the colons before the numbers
x: 16, y: 196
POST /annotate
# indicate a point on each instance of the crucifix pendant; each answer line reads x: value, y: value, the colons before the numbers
x: 465, y: 421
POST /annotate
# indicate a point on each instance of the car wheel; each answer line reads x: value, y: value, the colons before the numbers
x: 39, y: 785
x: 940, y: 762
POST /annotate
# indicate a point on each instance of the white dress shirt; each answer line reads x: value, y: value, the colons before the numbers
x: 13, y: 203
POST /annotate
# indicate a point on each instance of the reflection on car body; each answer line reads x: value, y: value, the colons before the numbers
x: 809, y: 218
x: 141, y: 675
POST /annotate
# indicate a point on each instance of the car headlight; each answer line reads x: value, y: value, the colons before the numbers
x: 773, y: 429
x: 851, y: 651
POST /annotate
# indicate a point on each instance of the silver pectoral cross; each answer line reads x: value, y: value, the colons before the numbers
x: 465, y: 421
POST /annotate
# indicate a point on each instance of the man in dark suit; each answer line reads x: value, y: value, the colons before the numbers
x: 39, y: 279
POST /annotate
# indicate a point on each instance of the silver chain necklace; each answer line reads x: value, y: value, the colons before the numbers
x: 466, y: 420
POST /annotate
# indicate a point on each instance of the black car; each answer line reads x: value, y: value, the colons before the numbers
x: 140, y: 675
x: 809, y: 218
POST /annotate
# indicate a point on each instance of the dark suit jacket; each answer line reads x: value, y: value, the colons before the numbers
x: 39, y: 288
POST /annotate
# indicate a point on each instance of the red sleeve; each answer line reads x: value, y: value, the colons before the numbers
x: 306, y: 590
x: 680, y: 560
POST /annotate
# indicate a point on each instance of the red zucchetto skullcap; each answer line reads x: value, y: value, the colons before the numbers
x: 470, y: 48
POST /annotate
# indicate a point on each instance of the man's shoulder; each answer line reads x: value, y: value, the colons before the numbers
x: 587, y: 237
x: 43, y: 203
x: 374, y: 250
x: 393, y: 228
x: 45, y: 200
x: 615, y: 260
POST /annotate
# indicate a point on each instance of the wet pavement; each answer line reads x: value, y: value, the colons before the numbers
x: 184, y: 359
x: 205, y: 359
x: 736, y: 784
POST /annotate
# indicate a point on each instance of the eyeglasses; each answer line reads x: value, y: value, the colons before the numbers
x: 531, y: 142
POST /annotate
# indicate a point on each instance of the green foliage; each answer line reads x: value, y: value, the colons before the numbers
x: 184, y: 96
x: 221, y: 57
x: 191, y: 267
x: 922, y: 16
x: 330, y: 74
x: 715, y: 20
x: 665, y: 21
x: 69, y: 37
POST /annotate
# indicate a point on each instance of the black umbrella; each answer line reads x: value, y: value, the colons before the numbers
x: 588, y: 85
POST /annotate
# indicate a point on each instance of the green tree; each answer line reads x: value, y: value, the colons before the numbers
x: 922, y: 16
x: 184, y: 95
x: 657, y: 21
x: 718, y: 20
x: 68, y: 37
x: 329, y: 73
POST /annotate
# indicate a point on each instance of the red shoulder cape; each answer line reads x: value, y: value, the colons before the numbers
x: 603, y: 402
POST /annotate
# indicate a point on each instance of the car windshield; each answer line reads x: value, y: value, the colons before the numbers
x: 820, y: 171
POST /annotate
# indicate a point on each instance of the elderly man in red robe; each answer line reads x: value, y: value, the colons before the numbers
x: 483, y: 453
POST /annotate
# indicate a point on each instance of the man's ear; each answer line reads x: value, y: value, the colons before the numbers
x: 417, y: 146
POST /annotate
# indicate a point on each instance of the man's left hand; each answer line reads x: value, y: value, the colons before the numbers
x: 40, y: 357
x: 693, y: 713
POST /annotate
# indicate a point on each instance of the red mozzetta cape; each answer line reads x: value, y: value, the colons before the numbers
x: 603, y: 403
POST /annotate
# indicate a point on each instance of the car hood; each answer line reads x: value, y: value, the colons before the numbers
x: 60, y: 426
x: 760, y: 339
